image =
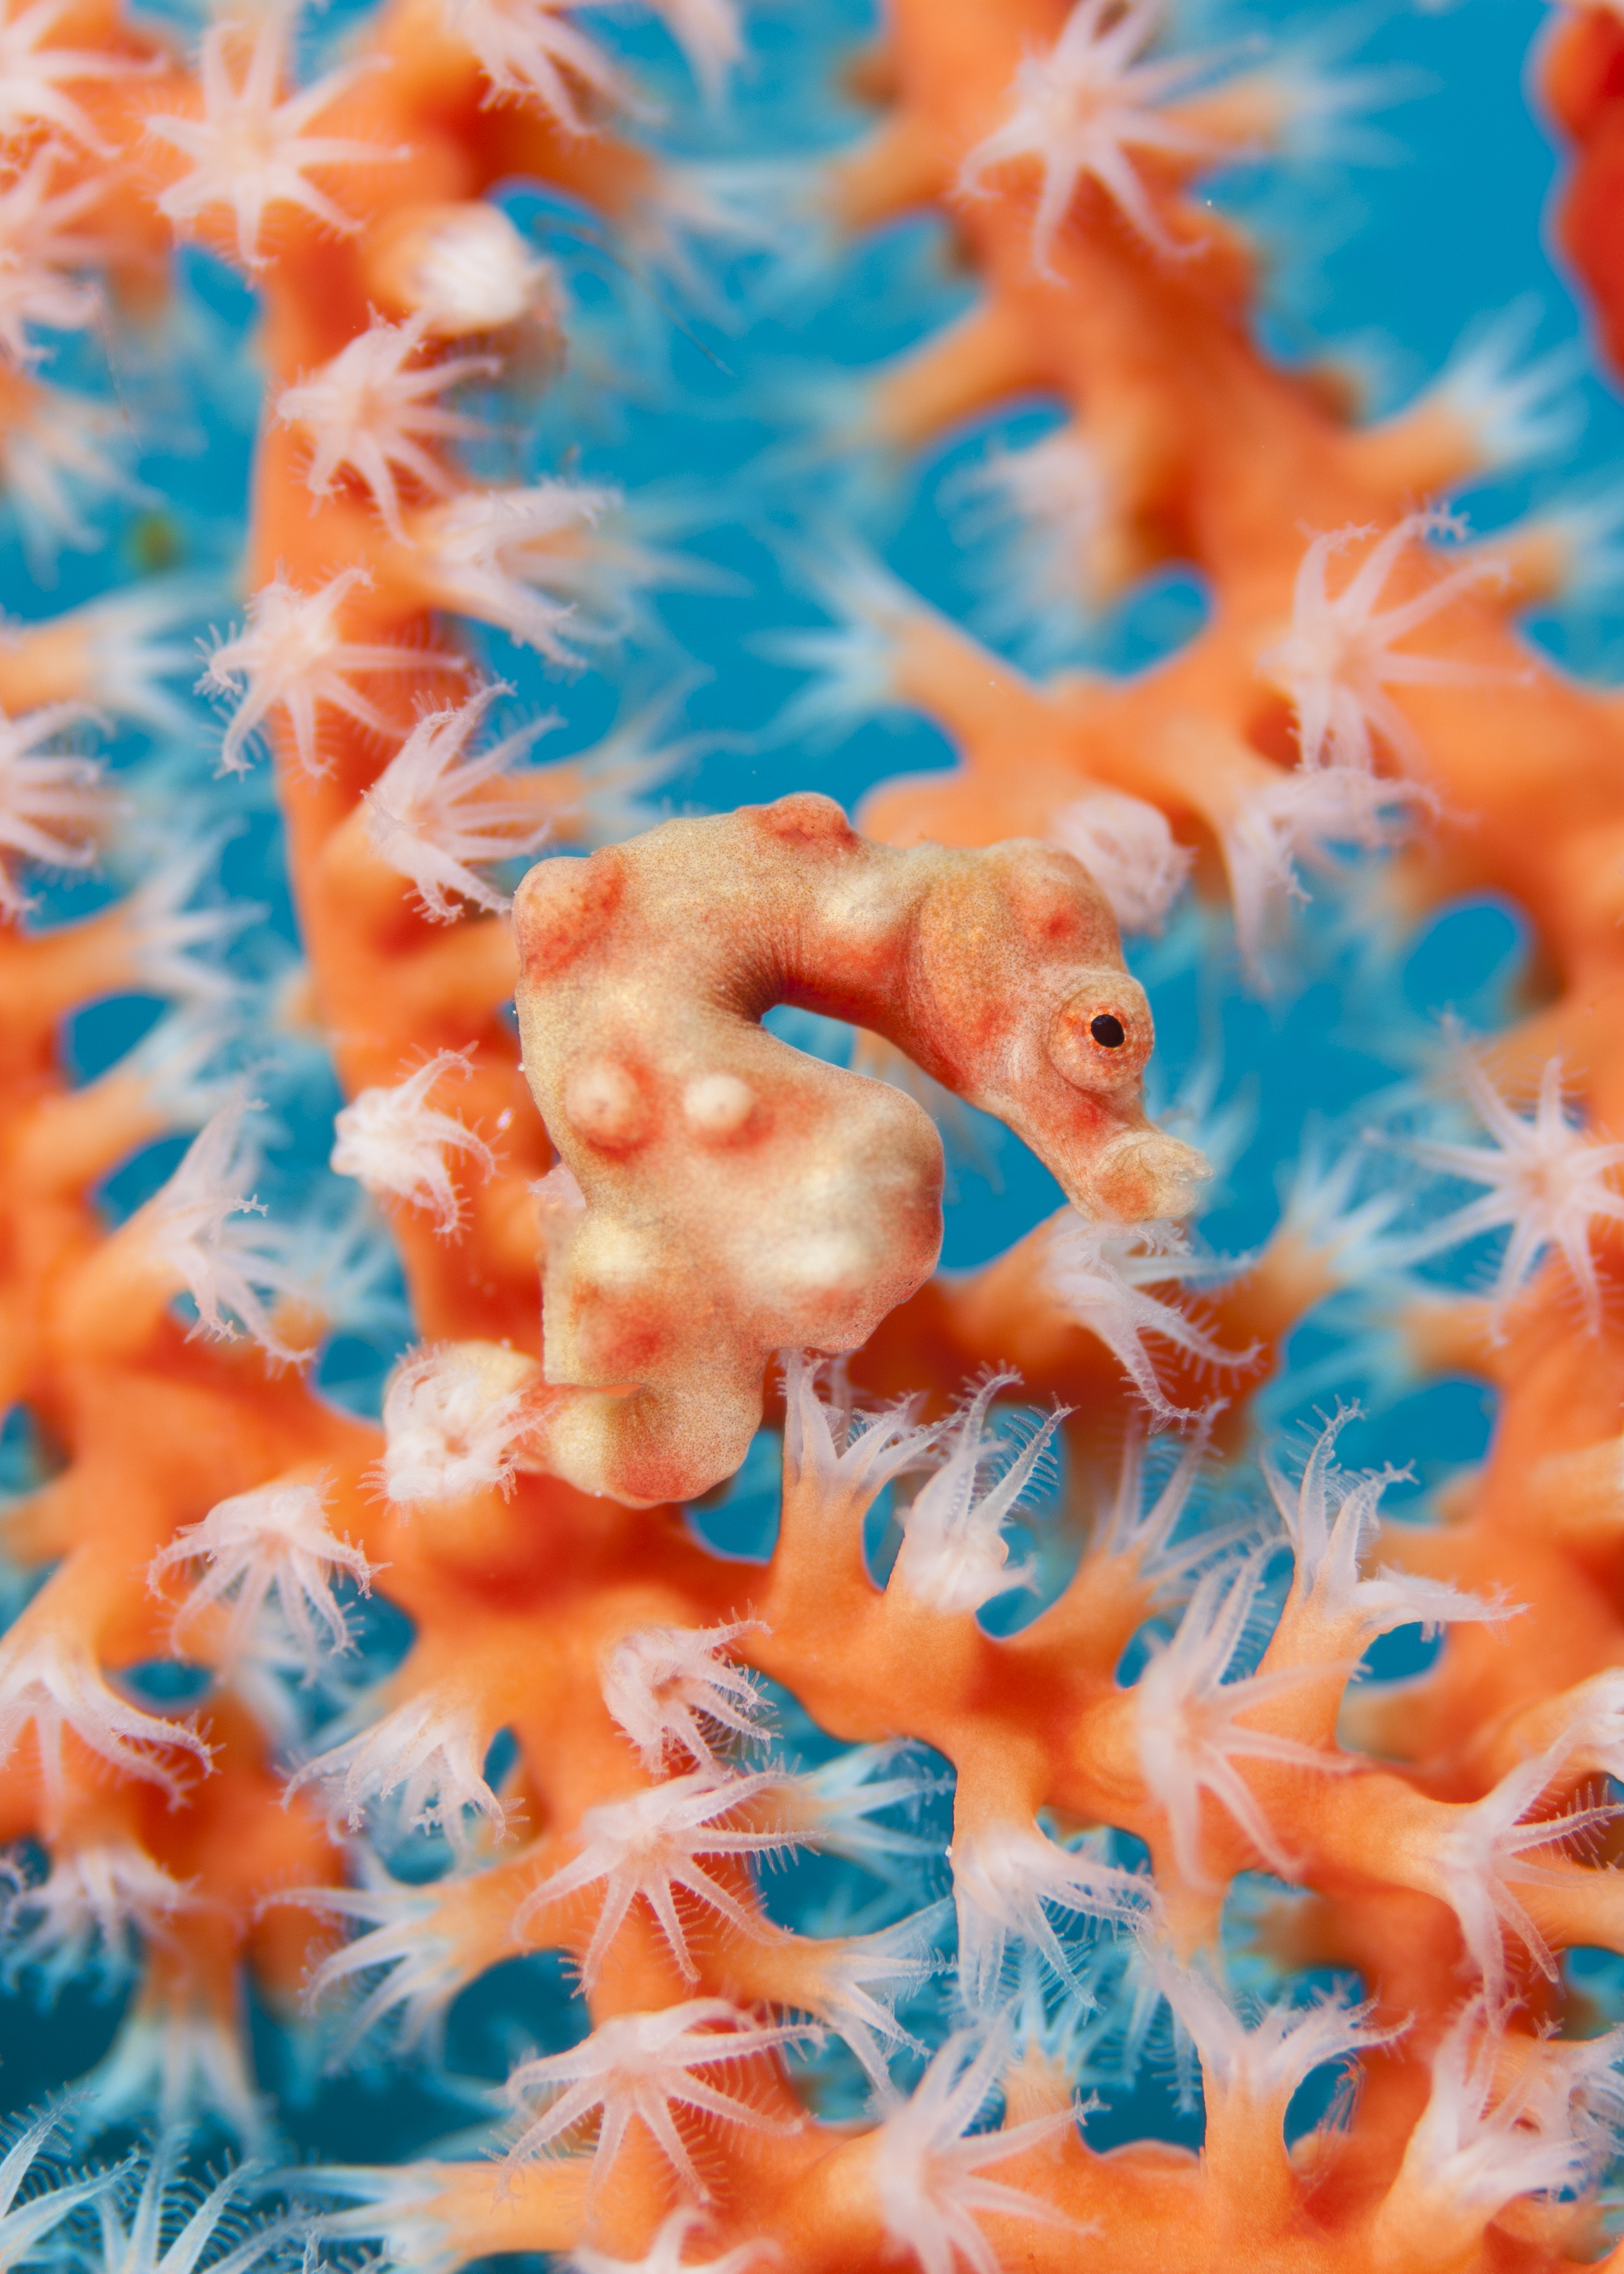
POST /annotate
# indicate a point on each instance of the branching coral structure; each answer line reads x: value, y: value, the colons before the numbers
x: 527, y: 1583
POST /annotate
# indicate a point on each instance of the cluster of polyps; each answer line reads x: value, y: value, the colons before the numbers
x: 1176, y: 1719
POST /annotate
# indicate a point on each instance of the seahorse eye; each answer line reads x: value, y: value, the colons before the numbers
x: 1099, y: 1035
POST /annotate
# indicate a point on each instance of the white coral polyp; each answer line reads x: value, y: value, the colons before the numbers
x: 177, y: 949
x: 529, y: 47
x: 1143, y: 1537
x: 396, y: 2204
x: 125, y: 656
x: 419, y: 1969
x: 1082, y: 109
x: 1488, y: 1850
x: 293, y: 657
x: 35, y: 77
x: 468, y: 270
x: 843, y: 1456
x: 52, y: 2198
x: 642, y: 2066
x: 50, y: 1683
x: 1514, y: 411
x: 1129, y: 850
x: 89, y: 1916
x: 835, y: 1806
x: 1477, y: 2147
x: 519, y: 558
x: 53, y: 806
x: 1100, y: 1273
x: 954, y: 1556
x: 428, y: 1757
x: 1006, y: 1880
x: 1303, y: 817
x: 249, y: 151
x: 930, y: 2168
x: 1264, y: 2063
x: 1546, y: 1181
x: 57, y: 452
x: 1058, y: 482
x: 649, y: 1847
x: 38, y: 245
x: 188, y: 1228
x: 436, y: 814
x: 454, y: 1421
x: 860, y: 1977
x: 370, y: 410
x: 1188, y: 1733
x: 708, y: 33
x: 260, y: 1548
x: 671, y: 1687
x: 1340, y: 657
x: 395, y: 1144
x: 1330, y: 1518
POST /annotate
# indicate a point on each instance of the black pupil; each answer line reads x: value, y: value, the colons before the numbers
x: 1108, y: 1032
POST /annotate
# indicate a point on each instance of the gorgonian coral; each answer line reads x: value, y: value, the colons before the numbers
x: 526, y: 1577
